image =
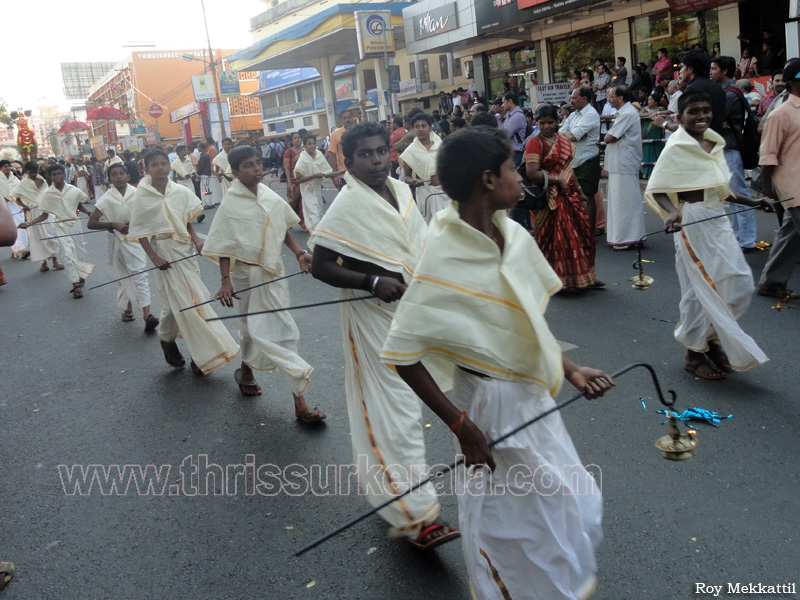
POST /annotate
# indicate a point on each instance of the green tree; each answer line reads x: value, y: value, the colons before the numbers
x: 4, y: 116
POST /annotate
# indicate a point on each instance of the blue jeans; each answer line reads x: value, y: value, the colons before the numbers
x: 744, y: 224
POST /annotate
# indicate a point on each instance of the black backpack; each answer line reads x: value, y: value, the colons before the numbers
x: 751, y: 140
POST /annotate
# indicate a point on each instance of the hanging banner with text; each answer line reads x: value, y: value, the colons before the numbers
x: 550, y: 93
x: 680, y: 7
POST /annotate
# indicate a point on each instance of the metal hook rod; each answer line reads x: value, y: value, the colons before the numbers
x: 622, y: 371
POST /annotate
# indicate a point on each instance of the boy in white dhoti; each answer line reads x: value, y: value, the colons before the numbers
x: 161, y: 220
x: 126, y: 256
x: 311, y: 168
x: 8, y: 181
x: 28, y: 194
x: 419, y: 165
x: 63, y: 201
x: 221, y: 166
x: 245, y: 239
x: 476, y: 302
x: 370, y: 240
x: 81, y: 176
x: 183, y: 169
x: 689, y: 183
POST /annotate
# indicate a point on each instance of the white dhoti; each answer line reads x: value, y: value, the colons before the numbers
x: 215, y: 189
x: 210, y: 344
x: 72, y: 252
x: 385, y: 419
x: 716, y: 287
x: 126, y: 258
x: 82, y: 185
x: 312, y: 205
x: 430, y: 200
x: 21, y: 244
x: 40, y: 248
x: 625, y: 213
x: 224, y: 185
x: 187, y: 183
x: 206, y: 194
x: 537, y: 540
x: 269, y: 342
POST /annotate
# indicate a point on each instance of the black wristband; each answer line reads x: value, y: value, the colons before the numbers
x: 365, y: 285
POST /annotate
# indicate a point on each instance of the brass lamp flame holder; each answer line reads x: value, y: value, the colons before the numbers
x: 675, y: 445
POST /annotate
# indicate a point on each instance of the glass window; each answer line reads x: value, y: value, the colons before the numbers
x: 685, y: 31
x: 443, y: 70
x: 412, y: 70
x: 457, y: 67
x: 289, y: 124
x: 424, y: 74
x: 286, y: 97
x: 308, y: 121
x: 580, y: 51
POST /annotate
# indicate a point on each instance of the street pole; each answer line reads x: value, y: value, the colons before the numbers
x: 213, y: 68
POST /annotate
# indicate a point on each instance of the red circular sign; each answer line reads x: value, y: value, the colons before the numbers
x: 156, y: 111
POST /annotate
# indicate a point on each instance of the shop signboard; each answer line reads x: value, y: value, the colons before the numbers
x: 435, y: 21
x: 203, y: 87
x: 409, y: 87
x: 374, y: 33
x: 394, y: 78
x: 229, y: 84
x: 680, y: 7
x: 493, y: 15
x: 551, y: 93
x: 185, y: 111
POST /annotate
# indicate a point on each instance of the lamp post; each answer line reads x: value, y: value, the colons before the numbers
x: 213, y: 66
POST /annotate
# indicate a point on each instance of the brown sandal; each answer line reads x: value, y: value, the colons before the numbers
x: 448, y: 535
x: 127, y: 316
x: 6, y: 573
x: 76, y: 291
x: 718, y: 356
x: 700, y: 368
x: 150, y: 324
x: 172, y: 354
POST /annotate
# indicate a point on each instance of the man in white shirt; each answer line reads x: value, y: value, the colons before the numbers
x: 623, y: 162
x: 582, y: 128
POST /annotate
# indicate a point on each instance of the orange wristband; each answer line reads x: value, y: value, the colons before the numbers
x: 456, y: 427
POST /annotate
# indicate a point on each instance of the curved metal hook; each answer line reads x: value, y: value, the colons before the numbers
x: 656, y: 383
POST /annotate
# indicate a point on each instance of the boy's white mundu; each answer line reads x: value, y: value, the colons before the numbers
x: 311, y: 191
x: 483, y: 310
x: 63, y: 205
x: 385, y: 415
x: 163, y: 219
x: 716, y: 281
x: 41, y: 249
x: 250, y: 230
x: 125, y: 256
x: 430, y: 198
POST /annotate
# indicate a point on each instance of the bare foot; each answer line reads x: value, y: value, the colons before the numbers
x: 246, y: 381
x: 305, y: 413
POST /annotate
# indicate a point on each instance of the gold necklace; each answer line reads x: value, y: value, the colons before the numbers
x: 550, y: 141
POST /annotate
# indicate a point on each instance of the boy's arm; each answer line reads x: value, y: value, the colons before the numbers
x: 326, y: 268
x: 673, y: 221
x: 592, y: 382
x: 303, y: 256
x: 96, y: 223
x: 8, y: 231
x: 225, y: 293
x: 198, y: 243
x: 83, y: 209
x: 151, y: 254
x: 470, y: 438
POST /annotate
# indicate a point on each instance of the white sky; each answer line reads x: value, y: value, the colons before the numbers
x: 54, y: 31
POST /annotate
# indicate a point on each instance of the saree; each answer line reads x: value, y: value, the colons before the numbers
x: 292, y: 188
x: 562, y: 230
x: 651, y: 150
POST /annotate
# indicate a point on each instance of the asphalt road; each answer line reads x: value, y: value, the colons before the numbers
x: 79, y: 387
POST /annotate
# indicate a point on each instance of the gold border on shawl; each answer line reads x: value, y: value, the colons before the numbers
x: 496, y: 576
x: 368, y: 250
x: 484, y: 295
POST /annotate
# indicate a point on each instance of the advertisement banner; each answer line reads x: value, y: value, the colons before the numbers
x: 409, y: 86
x: 551, y: 93
x: 203, y: 87
x: 493, y: 15
x: 374, y: 33
x: 229, y: 84
x: 185, y: 111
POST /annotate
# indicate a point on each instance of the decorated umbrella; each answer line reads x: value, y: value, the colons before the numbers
x: 106, y: 113
x: 73, y: 126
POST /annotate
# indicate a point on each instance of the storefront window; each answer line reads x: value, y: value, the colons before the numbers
x: 676, y: 33
x: 511, y: 70
x: 580, y: 50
